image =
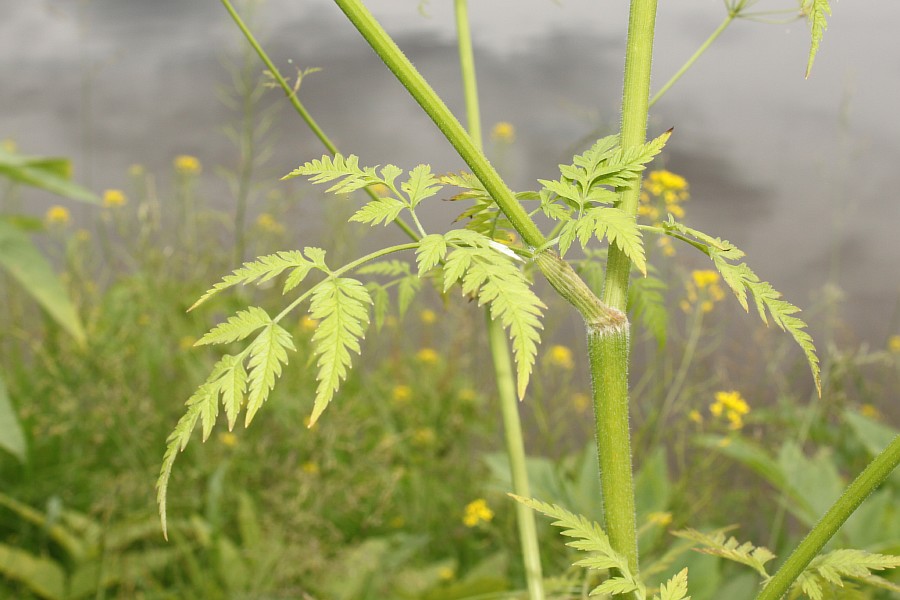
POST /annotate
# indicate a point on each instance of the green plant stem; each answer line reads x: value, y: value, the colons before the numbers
x: 502, y: 361
x: 431, y: 103
x: 690, y: 62
x: 298, y: 106
x: 515, y: 451
x: 467, y: 67
x: 867, y: 481
x: 609, y: 349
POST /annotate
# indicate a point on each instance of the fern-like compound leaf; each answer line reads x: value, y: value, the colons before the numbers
x: 620, y: 228
x: 263, y: 269
x: 816, y: 13
x: 833, y: 567
x: 341, y: 305
x: 383, y: 210
x: 675, y: 588
x: 490, y: 276
x: 647, y: 303
x: 237, y: 327
x: 202, y: 407
x: 346, y: 171
x: 421, y: 184
x: 717, y: 544
x: 268, y: 353
x: 431, y: 251
x: 389, y: 268
x: 743, y: 282
x: 588, y: 536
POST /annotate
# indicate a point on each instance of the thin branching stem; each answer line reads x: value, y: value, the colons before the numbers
x: 867, y: 481
x: 504, y: 371
x: 298, y: 106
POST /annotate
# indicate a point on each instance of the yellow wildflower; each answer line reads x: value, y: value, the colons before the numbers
x: 581, y: 401
x: 660, y: 518
x: 307, y: 323
x: 705, y: 278
x: 662, y: 181
x: 401, y: 394
x: 267, y: 222
x: 870, y: 410
x: 894, y: 343
x: 427, y: 316
x: 427, y: 356
x: 114, y: 198
x: 136, y: 170
x: 703, y: 288
x: 189, y: 165
x: 397, y: 522
x: 695, y: 416
x: 476, y: 512
x: 560, y: 356
x: 424, y: 437
x: 310, y: 468
x: 446, y: 573
x: 503, y: 132
x: 732, y: 405
x: 467, y: 395
x: 666, y: 245
x: 58, y: 215
x: 228, y: 439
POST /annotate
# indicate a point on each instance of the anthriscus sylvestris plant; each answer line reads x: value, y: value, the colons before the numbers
x: 594, y: 201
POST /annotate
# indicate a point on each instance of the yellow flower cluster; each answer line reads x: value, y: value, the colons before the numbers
x: 428, y: 317
x: 733, y: 406
x: 663, y: 191
x: 58, y: 215
x: 186, y: 164
x: 560, y: 357
x: 401, y: 394
x: 267, y: 222
x: 427, y: 356
x: 114, y: 198
x: 503, y: 132
x: 477, y: 512
x: 894, y: 344
x: 703, y: 288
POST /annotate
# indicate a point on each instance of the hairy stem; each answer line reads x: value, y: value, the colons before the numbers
x: 504, y: 374
x: 871, y: 477
x: 609, y: 350
x: 298, y: 106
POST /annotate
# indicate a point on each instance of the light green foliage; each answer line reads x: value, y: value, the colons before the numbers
x: 717, y: 544
x: 675, y: 588
x: 342, y: 307
x: 743, y: 281
x: 350, y: 177
x: 485, y: 272
x: 591, y: 181
x: 589, y: 537
x: 816, y: 12
x: 407, y: 283
x: 236, y: 327
x: 265, y: 268
x: 833, y: 568
x: 483, y: 216
x: 268, y: 353
x: 431, y: 251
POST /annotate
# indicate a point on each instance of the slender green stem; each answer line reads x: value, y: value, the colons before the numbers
x: 690, y: 62
x: 432, y: 104
x: 467, y: 66
x: 515, y: 450
x: 298, y: 106
x: 346, y: 269
x: 504, y: 373
x: 609, y: 350
x: 871, y: 477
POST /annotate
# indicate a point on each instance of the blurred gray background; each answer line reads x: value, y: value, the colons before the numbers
x: 801, y: 174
